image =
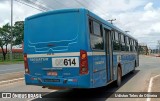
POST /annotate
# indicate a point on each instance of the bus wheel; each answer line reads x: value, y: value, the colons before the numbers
x: 119, y: 76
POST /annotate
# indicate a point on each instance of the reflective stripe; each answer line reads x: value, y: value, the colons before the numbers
x: 98, y: 53
x: 76, y: 54
x: 124, y: 53
x: 53, y: 55
x: 64, y: 54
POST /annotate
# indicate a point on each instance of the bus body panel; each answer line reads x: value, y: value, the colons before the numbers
x: 99, y: 69
x: 53, y: 37
x: 49, y: 39
x: 59, y: 32
x: 127, y: 61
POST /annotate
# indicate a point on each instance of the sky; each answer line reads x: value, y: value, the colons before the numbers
x: 140, y: 17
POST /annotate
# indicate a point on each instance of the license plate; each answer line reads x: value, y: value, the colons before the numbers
x: 65, y: 62
x: 52, y: 73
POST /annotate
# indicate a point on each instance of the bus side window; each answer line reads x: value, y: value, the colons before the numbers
x: 116, y: 44
x: 101, y: 29
x: 90, y: 26
x: 97, y: 29
x: 112, y: 35
x: 136, y: 46
x: 96, y: 37
x: 127, y: 44
x: 131, y: 44
x: 122, y: 43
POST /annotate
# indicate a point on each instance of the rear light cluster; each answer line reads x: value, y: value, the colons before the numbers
x: 26, y: 64
x: 83, y: 62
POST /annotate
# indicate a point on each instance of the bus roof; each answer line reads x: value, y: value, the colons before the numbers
x: 79, y: 10
x: 52, y: 12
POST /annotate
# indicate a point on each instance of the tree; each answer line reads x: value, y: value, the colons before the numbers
x: 5, y: 38
x: 18, y: 32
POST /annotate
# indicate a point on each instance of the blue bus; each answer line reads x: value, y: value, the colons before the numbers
x: 74, y: 48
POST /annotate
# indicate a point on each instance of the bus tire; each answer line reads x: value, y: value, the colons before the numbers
x: 119, y: 76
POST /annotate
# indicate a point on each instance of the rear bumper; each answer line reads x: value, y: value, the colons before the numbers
x: 70, y: 82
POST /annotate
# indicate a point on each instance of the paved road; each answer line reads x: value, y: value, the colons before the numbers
x: 8, y: 72
x: 137, y: 82
x: 21, y: 87
x: 11, y: 68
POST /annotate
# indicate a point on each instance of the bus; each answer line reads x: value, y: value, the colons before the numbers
x: 74, y: 48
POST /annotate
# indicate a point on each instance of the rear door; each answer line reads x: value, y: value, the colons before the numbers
x: 108, y: 50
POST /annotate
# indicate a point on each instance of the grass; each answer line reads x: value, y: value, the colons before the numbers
x: 15, y: 61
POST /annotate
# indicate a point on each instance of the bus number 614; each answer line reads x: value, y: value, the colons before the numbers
x: 69, y: 62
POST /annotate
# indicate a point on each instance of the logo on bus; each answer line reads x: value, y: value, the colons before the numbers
x: 38, y: 59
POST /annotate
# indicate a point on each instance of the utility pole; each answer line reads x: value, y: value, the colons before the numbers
x: 11, y: 30
x: 111, y: 20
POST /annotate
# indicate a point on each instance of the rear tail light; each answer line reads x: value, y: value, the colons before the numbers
x: 83, y: 62
x: 26, y: 64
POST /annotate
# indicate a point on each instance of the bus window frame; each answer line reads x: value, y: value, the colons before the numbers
x: 121, y: 34
x: 134, y: 45
x: 101, y: 33
x: 127, y: 43
x: 116, y: 41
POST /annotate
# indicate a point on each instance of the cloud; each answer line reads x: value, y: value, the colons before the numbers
x: 3, y: 11
x: 156, y: 27
x: 150, y: 13
x: 20, y: 12
x: 140, y: 17
x: 143, y: 24
x: 149, y: 6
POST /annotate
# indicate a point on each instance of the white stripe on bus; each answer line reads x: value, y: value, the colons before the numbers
x: 124, y: 53
x: 53, y: 55
x: 77, y: 54
x: 98, y: 53
x: 64, y: 54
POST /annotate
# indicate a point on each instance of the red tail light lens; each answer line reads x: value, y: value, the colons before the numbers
x: 83, y: 62
x: 26, y: 64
